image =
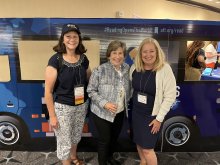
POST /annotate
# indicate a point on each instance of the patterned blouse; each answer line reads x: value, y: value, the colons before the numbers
x: 104, y: 86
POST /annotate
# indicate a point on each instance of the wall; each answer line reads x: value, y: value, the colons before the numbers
x: 151, y: 9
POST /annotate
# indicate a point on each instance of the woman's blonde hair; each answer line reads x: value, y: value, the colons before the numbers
x: 160, y: 56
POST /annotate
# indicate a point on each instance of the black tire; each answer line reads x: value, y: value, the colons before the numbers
x: 178, y: 131
x: 10, y: 131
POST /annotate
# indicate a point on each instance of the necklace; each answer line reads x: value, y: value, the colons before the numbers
x: 145, y: 82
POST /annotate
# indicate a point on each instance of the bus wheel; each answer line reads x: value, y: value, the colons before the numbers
x: 9, y: 131
x: 178, y: 131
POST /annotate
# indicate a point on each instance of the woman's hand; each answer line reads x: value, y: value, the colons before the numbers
x: 54, y: 122
x: 155, y: 126
x: 111, y: 107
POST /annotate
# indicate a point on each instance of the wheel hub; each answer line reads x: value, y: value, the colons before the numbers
x: 9, y: 133
x: 177, y: 134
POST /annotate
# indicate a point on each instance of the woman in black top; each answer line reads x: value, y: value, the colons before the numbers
x: 66, y: 75
x: 195, y: 60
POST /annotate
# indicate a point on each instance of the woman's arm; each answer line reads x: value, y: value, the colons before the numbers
x: 50, y: 79
x: 169, y: 93
x: 201, y: 61
x: 210, y: 54
x: 92, y: 88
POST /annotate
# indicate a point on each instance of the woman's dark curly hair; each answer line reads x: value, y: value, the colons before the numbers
x: 192, y: 48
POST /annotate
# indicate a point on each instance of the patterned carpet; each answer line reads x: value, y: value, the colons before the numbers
x: 43, y: 152
x: 126, y: 158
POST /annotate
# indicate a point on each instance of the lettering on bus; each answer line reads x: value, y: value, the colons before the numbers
x: 177, y: 91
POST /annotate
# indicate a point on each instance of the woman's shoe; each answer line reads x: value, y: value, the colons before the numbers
x: 77, y: 162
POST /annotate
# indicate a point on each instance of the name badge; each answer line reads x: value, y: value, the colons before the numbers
x: 79, y: 94
x: 142, y: 98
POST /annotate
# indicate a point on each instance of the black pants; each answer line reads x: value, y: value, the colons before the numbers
x: 108, y: 135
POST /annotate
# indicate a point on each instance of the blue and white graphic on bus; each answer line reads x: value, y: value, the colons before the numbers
x: 26, y: 45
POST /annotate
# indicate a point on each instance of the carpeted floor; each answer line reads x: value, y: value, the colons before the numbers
x: 126, y: 158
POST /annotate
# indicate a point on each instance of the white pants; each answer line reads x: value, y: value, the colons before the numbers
x: 71, y: 120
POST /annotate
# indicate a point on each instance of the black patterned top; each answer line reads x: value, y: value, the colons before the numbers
x: 69, y: 76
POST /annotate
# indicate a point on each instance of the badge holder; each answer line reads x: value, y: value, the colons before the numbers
x: 79, y: 94
x: 142, y: 98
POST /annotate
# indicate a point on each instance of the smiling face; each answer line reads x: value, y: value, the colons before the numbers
x: 148, y: 55
x: 116, y: 57
x: 71, y: 40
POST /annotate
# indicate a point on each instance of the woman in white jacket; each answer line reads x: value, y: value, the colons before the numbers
x: 154, y: 91
x: 211, y: 54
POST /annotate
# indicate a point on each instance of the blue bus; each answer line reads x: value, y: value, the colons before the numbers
x: 26, y: 45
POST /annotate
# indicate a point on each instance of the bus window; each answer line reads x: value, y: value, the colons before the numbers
x: 4, y: 69
x: 204, y: 73
x: 34, y: 56
x: 93, y: 52
x: 171, y: 50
